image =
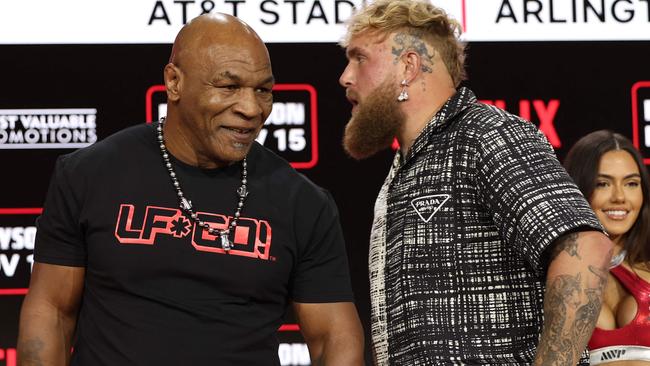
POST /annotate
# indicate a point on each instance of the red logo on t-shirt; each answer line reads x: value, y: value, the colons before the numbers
x: 252, y: 237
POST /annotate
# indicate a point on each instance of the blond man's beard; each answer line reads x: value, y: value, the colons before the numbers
x: 376, y: 122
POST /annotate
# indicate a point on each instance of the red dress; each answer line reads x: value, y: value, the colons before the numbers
x: 636, y: 333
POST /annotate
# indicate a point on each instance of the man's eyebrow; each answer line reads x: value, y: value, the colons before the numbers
x: 237, y: 79
x: 230, y: 75
x: 352, y: 52
x: 269, y: 80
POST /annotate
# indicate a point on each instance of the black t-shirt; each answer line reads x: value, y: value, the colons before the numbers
x: 158, y: 289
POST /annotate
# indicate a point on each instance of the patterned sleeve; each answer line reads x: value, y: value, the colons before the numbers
x: 532, y: 199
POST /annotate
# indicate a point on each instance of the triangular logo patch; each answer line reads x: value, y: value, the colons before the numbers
x: 427, y: 206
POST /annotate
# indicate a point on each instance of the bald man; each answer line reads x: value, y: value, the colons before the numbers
x: 183, y: 242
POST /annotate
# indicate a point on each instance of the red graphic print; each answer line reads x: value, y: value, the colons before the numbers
x: 252, y: 237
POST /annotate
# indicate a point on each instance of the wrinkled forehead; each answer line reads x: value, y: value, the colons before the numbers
x: 209, y: 34
x: 247, y: 52
x: 210, y: 49
x: 240, y: 38
x: 237, y: 62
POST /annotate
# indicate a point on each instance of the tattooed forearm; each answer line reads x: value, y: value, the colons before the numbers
x: 556, y: 344
x: 413, y: 41
x: 30, y: 352
x: 571, y: 307
x: 587, y: 314
x: 568, y: 244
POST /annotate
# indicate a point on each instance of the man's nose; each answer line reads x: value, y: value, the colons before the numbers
x: 346, y: 77
x: 248, y: 104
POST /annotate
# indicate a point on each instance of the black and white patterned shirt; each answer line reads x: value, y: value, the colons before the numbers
x: 460, y: 227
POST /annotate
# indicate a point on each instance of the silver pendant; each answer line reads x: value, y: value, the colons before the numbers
x: 242, y: 192
x: 186, y: 205
x: 225, y: 242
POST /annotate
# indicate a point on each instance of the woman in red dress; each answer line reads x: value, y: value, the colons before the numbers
x: 610, y: 173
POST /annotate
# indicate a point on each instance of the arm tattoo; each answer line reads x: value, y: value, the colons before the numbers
x: 30, y: 352
x: 564, y: 330
x: 413, y: 41
x: 587, y: 314
x: 569, y: 244
x: 563, y: 294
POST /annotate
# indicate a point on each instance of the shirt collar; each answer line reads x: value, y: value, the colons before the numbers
x: 452, y: 108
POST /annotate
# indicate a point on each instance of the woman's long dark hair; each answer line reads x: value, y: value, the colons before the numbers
x: 582, y: 163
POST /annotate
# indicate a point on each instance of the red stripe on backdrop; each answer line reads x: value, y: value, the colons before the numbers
x: 289, y: 328
x: 149, y: 102
x: 464, y: 15
x: 21, y: 211
x: 12, y: 291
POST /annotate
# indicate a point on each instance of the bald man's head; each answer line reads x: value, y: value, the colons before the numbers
x: 219, y: 90
x: 210, y: 29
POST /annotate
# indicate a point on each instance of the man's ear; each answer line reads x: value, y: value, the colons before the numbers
x: 172, y: 76
x: 412, y: 62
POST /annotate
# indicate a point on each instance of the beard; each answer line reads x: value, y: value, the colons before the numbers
x: 375, y: 124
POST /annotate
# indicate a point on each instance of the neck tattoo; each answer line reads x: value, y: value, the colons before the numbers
x: 186, y: 205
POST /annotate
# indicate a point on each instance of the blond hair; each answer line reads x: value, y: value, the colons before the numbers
x: 416, y: 16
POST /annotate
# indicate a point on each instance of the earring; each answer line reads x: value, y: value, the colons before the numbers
x: 404, y: 94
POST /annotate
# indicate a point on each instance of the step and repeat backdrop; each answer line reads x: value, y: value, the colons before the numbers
x: 77, y: 71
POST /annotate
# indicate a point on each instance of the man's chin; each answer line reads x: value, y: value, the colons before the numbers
x: 228, y: 155
x: 373, y: 125
x: 238, y: 154
x: 357, y: 155
x: 362, y: 151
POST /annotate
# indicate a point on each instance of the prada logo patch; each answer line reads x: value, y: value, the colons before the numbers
x: 427, y: 206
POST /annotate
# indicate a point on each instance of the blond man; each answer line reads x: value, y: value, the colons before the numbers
x: 482, y: 251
